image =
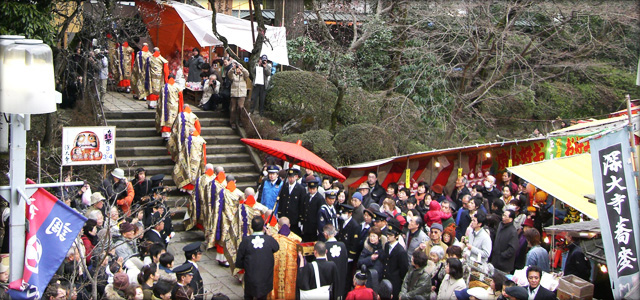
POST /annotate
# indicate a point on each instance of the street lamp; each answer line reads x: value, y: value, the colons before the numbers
x: 26, y: 87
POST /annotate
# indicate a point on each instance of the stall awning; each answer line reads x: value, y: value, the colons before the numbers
x: 568, y: 179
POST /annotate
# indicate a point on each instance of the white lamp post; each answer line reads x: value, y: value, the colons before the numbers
x: 26, y: 87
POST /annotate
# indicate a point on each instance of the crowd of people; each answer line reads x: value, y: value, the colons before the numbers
x: 378, y: 243
x: 391, y: 242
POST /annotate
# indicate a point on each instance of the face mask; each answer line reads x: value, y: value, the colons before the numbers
x: 264, y: 173
x: 487, y: 184
x: 344, y: 216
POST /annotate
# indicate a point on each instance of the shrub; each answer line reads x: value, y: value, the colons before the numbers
x: 362, y: 142
x: 317, y: 141
x: 303, y: 96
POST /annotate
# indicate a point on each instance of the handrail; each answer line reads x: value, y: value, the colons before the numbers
x: 100, y: 107
x: 251, y: 121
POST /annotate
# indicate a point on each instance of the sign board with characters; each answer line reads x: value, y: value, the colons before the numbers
x: 88, y: 145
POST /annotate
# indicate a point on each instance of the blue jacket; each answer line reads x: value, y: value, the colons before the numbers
x: 269, y: 193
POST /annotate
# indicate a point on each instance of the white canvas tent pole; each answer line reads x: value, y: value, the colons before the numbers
x: 632, y: 139
x: 182, y: 47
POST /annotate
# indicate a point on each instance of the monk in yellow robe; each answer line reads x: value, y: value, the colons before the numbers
x: 285, y: 269
x: 159, y: 68
x: 247, y: 209
x: 124, y: 64
x: 170, y: 105
x: 182, y: 125
x: 142, y: 74
x: 198, y: 208
x: 190, y: 163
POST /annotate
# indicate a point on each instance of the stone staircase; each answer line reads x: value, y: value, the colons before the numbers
x: 139, y: 145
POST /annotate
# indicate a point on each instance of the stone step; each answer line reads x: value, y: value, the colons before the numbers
x: 162, y: 150
x: 134, y: 123
x: 158, y: 141
x: 215, y: 159
x: 151, y: 131
x: 151, y: 114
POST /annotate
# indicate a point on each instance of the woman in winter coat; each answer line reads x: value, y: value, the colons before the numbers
x: 369, y: 254
x: 453, y: 281
x: 417, y: 282
x: 238, y: 76
x: 89, y: 238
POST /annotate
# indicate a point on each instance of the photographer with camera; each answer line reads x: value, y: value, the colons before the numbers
x: 238, y: 76
x: 263, y: 71
x: 210, y: 93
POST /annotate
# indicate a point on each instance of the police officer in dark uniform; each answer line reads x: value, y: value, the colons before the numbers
x: 184, y: 276
x: 327, y: 213
x: 348, y: 234
x: 193, y: 254
x: 289, y: 200
x: 381, y: 222
x: 311, y: 204
x: 394, y: 258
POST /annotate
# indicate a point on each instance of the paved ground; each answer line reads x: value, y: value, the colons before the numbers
x: 114, y: 101
x: 216, y: 278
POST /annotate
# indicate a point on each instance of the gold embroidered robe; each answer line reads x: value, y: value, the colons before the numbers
x: 197, y: 208
x: 159, y: 72
x: 123, y: 62
x: 168, y: 106
x: 142, y: 74
x: 191, y: 161
x: 230, y: 223
x: 285, y: 269
x: 180, y: 129
x: 213, y: 223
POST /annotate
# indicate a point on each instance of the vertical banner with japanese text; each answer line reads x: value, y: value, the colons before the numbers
x: 53, y: 226
x: 617, y: 204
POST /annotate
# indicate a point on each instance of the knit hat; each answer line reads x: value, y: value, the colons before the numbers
x: 357, y: 195
x: 437, y: 226
x: 121, y: 281
x: 437, y: 188
x: 528, y: 222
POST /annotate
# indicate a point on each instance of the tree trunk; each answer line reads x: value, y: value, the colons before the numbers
x: 51, y: 121
x: 337, y: 108
x: 293, y: 11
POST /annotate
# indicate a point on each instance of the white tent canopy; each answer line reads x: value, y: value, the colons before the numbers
x: 236, y: 31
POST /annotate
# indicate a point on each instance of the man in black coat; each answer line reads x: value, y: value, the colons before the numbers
x: 376, y: 191
x: 193, y: 254
x: 289, y: 200
x: 311, y: 203
x: 327, y: 271
x: 348, y: 234
x: 337, y: 253
x: 255, y: 255
x: 155, y: 234
x: 394, y: 258
x: 577, y: 263
x: 534, y: 274
x: 503, y: 254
